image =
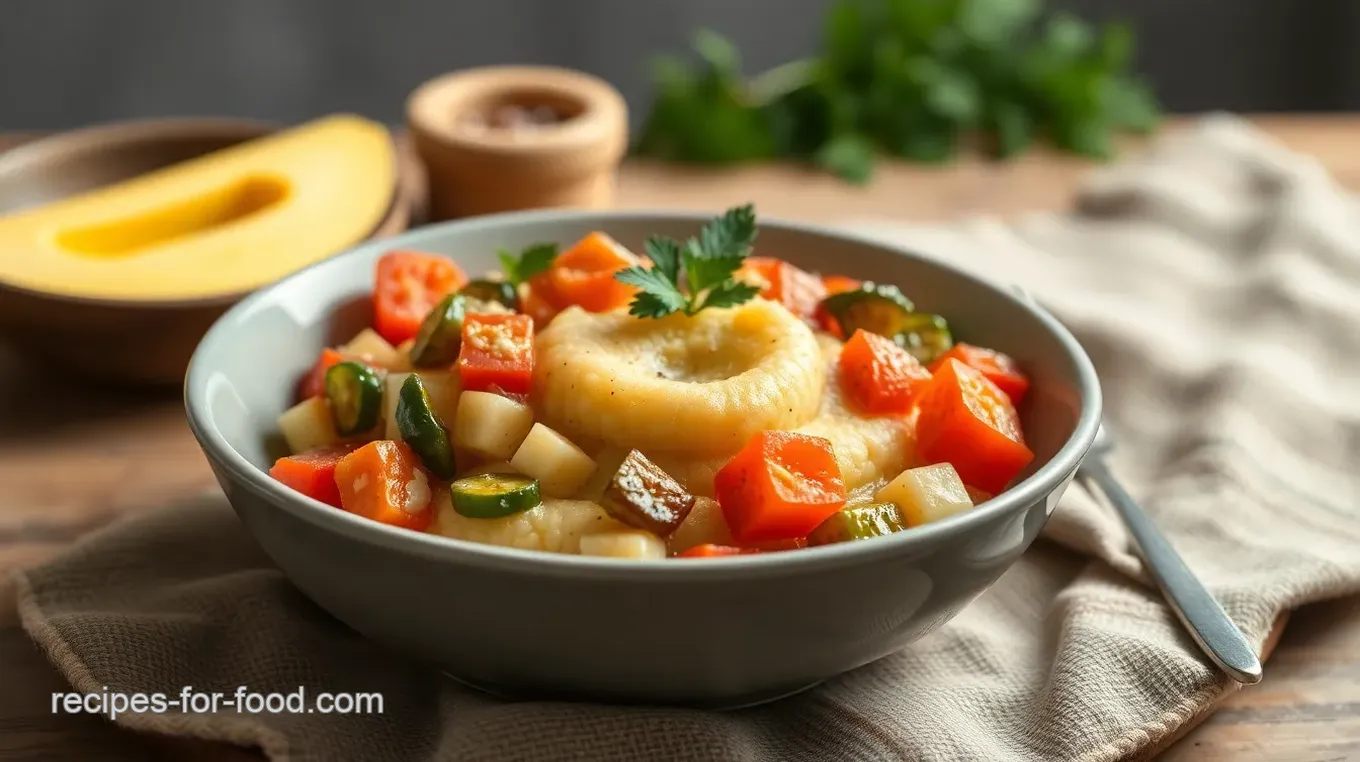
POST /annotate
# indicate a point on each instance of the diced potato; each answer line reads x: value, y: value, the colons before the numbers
x: 491, y: 425
x: 560, y: 467
x: 308, y: 425
x: 927, y: 494
x: 391, y: 389
x: 635, y: 544
x: 705, y: 524
x: 403, y: 363
x: 607, y: 462
x: 368, y: 344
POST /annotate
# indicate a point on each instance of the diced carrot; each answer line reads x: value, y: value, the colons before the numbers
x: 497, y: 351
x: 314, y: 383
x: 780, y: 486
x: 715, y: 551
x: 584, y: 274
x: 383, y: 481
x: 833, y: 284
x: 312, y: 473
x: 965, y: 420
x: 539, y: 301
x: 999, y: 368
x: 408, y: 285
x: 798, y: 290
x: 878, y: 377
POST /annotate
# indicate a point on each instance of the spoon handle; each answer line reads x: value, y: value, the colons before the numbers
x: 1210, y: 627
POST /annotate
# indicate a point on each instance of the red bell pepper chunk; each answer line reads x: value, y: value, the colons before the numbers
x: 407, y: 286
x: 312, y: 473
x: 878, y: 377
x: 999, y: 368
x: 497, y: 351
x: 780, y: 486
x: 966, y: 421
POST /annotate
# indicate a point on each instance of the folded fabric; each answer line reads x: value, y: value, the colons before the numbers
x: 1215, y: 283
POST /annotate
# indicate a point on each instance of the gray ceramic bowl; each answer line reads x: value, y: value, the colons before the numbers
x: 720, y: 632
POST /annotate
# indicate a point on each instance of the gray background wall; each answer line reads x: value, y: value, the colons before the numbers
x: 67, y: 62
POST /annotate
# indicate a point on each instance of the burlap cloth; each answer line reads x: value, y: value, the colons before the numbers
x: 1216, y: 284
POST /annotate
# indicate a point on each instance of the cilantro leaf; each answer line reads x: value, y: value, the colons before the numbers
x: 702, y: 266
x: 729, y: 235
x: 665, y: 253
x: 730, y: 294
x: 533, y: 260
x: 704, y: 272
x: 659, y: 296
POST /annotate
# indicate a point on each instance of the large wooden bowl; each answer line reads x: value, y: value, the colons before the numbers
x: 124, y: 342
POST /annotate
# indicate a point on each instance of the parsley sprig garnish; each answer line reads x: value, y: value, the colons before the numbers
x: 535, y: 259
x: 691, y: 276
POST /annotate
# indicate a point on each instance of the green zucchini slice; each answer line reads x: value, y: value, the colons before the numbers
x: 494, y: 496
x: 354, y: 394
x: 876, y: 308
x: 858, y: 523
x: 421, y: 429
x: 925, y: 337
x: 441, y: 333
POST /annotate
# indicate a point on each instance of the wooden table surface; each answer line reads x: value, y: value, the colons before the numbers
x: 69, y: 468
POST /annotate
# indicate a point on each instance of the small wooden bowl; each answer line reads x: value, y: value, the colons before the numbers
x: 135, y: 343
x: 477, y: 167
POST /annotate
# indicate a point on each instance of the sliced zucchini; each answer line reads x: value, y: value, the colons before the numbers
x: 494, y: 496
x: 860, y: 523
x: 925, y: 337
x: 642, y: 495
x: 354, y: 393
x: 876, y: 308
x: 440, y: 335
x: 497, y: 291
x: 420, y: 428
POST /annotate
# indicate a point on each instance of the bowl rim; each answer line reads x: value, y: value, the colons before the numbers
x: 1032, y: 489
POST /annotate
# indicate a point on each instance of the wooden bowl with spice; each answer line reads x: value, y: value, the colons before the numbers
x: 498, y: 139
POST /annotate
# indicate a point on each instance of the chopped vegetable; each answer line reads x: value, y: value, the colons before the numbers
x: 522, y: 267
x: 967, y: 421
x: 314, y: 383
x: 635, y: 544
x: 501, y: 292
x: 873, y: 307
x: 538, y: 301
x: 925, y: 336
x: 422, y: 430
x: 773, y: 546
x: 642, y: 495
x: 584, y: 274
x: 999, y: 368
x: 710, y: 550
x: 878, y: 377
x: 494, y: 496
x: 491, y: 425
x: 798, y: 290
x: 560, y: 466
x: 497, y: 350
x: 697, y: 274
x: 927, y: 494
x: 978, y: 496
x: 833, y: 284
x: 372, y: 349
x: 382, y: 481
x: 409, y: 284
x: 704, y: 525
x: 858, y: 523
x: 781, y: 485
x: 312, y: 473
x: 308, y: 425
x: 440, y: 335
x: 354, y: 393
x: 440, y: 385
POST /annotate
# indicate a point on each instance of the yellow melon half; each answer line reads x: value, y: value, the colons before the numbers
x: 221, y: 224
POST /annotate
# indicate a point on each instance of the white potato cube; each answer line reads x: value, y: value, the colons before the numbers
x: 391, y: 391
x: 704, y: 524
x: 308, y: 425
x: 491, y: 425
x: 927, y: 494
x: 633, y: 544
x: 373, y: 348
x: 560, y: 467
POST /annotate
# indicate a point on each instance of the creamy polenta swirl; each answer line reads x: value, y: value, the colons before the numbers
x: 697, y: 385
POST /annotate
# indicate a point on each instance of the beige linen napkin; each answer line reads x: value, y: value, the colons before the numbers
x: 1216, y: 283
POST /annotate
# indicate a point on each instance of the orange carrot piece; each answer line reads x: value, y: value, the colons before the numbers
x: 780, y: 486
x: 584, y: 274
x: 312, y: 473
x: 383, y: 481
x: 798, y: 290
x: 878, y: 377
x: 965, y: 420
x: 999, y: 368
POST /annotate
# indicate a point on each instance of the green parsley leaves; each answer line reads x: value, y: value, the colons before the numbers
x: 519, y: 268
x: 690, y: 276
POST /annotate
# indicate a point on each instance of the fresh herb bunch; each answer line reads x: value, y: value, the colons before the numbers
x: 909, y: 78
x: 691, y: 276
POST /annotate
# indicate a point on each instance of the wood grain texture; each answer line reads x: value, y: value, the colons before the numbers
x: 103, y: 453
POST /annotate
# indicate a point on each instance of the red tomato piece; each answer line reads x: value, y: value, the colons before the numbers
x: 798, y: 290
x: 314, y: 383
x: 408, y: 285
x: 780, y: 486
x: 312, y: 473
x: 497, y: 352
x: 999, y: 368
x: 965, y: 420
x: 878, y: 377
x: 539, y: 301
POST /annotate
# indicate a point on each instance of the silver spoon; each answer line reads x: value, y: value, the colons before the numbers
x: 1210, y: 627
